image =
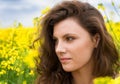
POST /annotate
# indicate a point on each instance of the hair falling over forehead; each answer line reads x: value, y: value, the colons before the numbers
x: 105, y: 55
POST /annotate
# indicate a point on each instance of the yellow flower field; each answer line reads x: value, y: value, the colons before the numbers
x: 16, y: 56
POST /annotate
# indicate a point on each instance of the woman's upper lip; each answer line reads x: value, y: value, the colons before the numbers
x: 64, y: 58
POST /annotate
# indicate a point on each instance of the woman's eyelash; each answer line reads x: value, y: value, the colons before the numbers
x: 70, y: 38
x: 67, y: 38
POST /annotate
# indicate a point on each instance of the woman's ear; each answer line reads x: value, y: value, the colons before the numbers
x: 96, y: 39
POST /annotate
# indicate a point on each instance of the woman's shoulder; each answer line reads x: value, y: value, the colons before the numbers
x: 107, y: 80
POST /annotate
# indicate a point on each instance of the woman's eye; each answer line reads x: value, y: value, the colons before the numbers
x: 69, y: 38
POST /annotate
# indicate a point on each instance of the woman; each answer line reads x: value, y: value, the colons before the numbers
x: 75, y: 47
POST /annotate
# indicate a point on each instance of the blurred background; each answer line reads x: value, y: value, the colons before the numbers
x: 24, y: 11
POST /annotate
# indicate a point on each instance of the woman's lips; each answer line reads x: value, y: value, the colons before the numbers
x: 64, y: 60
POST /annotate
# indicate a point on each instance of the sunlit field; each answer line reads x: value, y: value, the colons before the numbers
x: 17, y: 64
x: 17, y: 55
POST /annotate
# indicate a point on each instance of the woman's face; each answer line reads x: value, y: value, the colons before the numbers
x: 73, y: 45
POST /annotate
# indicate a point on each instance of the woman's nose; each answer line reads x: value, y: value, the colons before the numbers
x: 60, y: 48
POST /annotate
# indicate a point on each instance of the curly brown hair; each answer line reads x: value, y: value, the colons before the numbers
x: 105, y: 56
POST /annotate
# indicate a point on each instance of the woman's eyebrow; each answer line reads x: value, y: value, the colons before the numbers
x: 65, y: 35
x: 69, y: 34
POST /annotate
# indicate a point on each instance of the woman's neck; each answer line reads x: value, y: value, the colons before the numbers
x: 83, y: 75
x: 82, y: 79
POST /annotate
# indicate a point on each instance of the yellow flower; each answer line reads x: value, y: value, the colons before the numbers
x: 24, y: 82
x: 117, y: 80
x: 45, y: 10
x: 101, y: 6
x: 107, y: 80
x: 29, y: 59
x: 17, y: 69
x: 102, y: 80
x: 31, y: 72
x: 2, y: 72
